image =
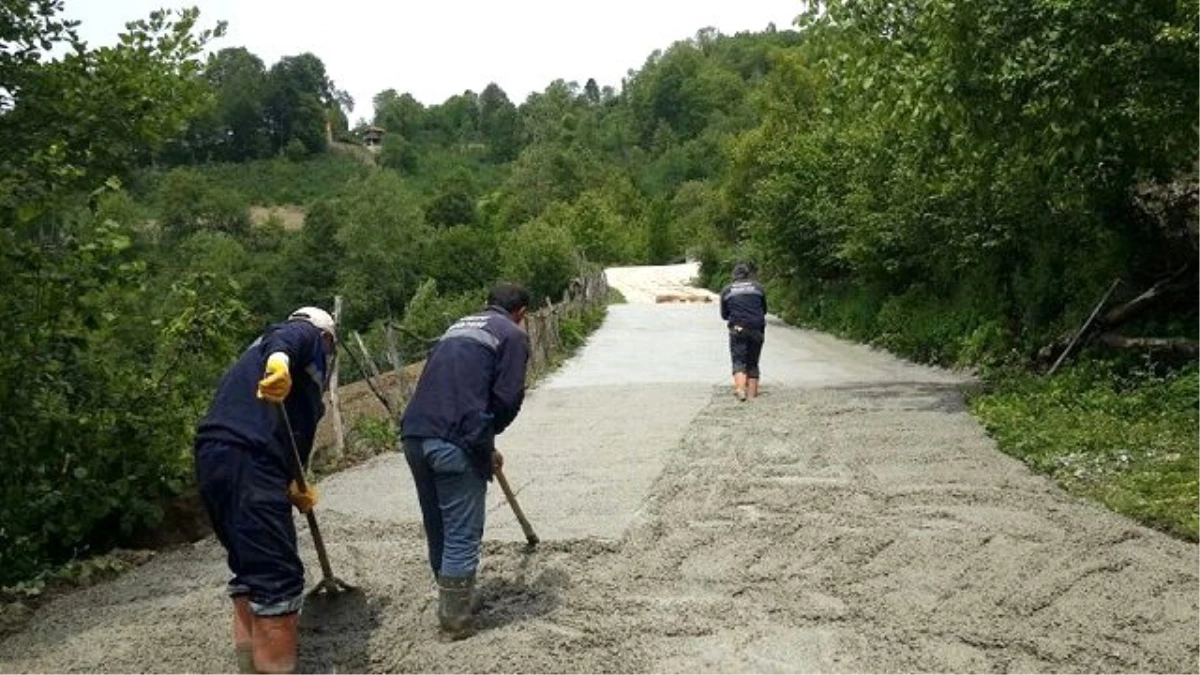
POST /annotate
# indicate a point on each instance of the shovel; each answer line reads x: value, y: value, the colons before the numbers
x: 328, y: 583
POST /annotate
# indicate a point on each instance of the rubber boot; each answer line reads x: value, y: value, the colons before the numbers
x: 454, y: 606
x: 275, y: 643
x: 243, y: 631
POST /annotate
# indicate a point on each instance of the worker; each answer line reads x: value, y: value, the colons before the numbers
x: 470, y: 390
x: 744, y: 309
x: 245, y: 465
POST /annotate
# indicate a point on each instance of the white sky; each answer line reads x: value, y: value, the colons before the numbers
x: 437, y: 48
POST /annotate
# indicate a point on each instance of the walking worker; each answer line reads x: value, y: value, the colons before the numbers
x: 471, y: 389
x: 744, y: 309
x: 244, y: 465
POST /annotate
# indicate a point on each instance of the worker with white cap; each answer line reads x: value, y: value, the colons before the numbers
x: 245, y: 465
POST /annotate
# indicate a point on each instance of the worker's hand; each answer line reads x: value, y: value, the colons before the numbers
x: 497, y: 460
x: 277, y: 379
x: 304, y: 500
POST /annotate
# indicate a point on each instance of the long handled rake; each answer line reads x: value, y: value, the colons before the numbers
x: 328, y: 583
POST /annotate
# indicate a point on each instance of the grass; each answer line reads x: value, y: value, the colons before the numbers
x: 573, y: 331
x: 615, y: 297
x: 1127, y: 439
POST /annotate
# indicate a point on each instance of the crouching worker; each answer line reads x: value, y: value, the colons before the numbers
x: 471, y: 389
x: 744, y: 309
x: 245, y: 464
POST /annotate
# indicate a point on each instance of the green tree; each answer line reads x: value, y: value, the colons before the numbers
x: 542, y: 256
x: 240, y: 79
x: 299, y: 95
x: 313, y: 260
x: 31, y: 29
x: 499, y: 124
x: 399, y: 113
x: 453, y: 122
x: 464, y: 259
x: 453, y: 203
x: 94, y: 113
x: 591, y: 91
x: 99, y: 401
x: 190, y: 203
x: 398, y: 153
x: 660, y: 239
x: 429, y: 313
x: 386, y: 242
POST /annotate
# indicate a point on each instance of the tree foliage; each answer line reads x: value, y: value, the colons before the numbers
x: 950, y: 180
x: 975, y: 163
x: 103, y: 377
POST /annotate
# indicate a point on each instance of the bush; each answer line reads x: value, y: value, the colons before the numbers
x: 463, y: 258
x: 397, y: 153
x: 107, y: 376
x: 429, y: 314
x: 386, y: 242
x: 542, y: 257
x: 573, y: 330
x: 271, y: 182
x: 189, y: 203
x: 295, y: 150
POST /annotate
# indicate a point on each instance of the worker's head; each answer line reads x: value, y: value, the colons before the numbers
x: 512, y: 298
x: 741, y: 271
x: 321, y: 319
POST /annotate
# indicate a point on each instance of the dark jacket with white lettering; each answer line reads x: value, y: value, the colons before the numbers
x: 743, y: 303
x: 472, y: 386
x: 238, y: 417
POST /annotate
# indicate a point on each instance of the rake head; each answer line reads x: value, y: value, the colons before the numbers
x: 332, y: 586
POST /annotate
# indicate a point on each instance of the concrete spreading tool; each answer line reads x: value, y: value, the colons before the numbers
x: 530, y: 537
x: 329, y: 582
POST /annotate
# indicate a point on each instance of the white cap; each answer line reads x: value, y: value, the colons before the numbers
x: 317, y: 317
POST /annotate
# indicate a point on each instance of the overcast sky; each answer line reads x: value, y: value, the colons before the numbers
x: 437, y: 48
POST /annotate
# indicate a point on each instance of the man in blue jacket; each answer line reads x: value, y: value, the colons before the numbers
x: 471, y: 389
x: 744, y: 309
x: 245, y: 465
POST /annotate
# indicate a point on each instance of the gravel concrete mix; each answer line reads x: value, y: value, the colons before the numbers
x: 854, y: 518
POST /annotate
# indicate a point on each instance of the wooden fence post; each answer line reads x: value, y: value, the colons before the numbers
x: 335, y: 402
x: 368, y: 370
x: 393, y: 353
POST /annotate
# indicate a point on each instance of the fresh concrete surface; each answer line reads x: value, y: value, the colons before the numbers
x: 854, y: 518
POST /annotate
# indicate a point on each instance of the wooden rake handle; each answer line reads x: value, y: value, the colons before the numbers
x: 530, y: 536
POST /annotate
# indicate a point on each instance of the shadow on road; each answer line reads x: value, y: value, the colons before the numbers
x: 335, y: 632
x: 507, y: 600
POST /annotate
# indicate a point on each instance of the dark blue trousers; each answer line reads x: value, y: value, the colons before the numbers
x: 245, y: 493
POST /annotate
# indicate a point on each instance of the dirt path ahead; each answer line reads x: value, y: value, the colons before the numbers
x: 854, y: 518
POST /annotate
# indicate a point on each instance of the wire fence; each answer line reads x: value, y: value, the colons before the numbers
x: 544, y: 325
x: 391, y: 389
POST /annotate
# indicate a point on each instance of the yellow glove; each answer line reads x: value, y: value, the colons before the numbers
x: 304, y: 500
x: 277, y: 379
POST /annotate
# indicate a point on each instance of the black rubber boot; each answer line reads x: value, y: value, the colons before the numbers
x: 454, y: 606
